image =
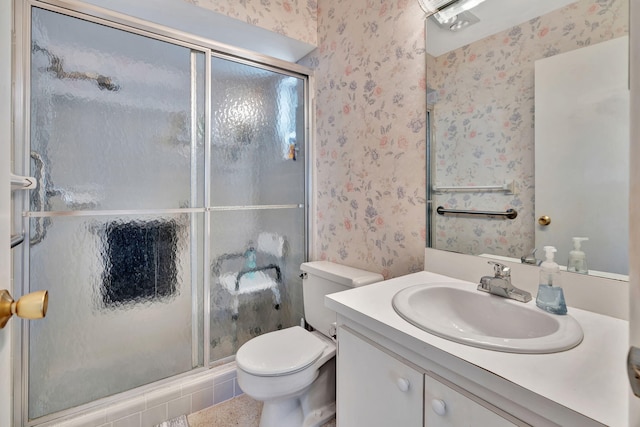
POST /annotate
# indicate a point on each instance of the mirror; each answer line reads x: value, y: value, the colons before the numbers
x: 492, y: 119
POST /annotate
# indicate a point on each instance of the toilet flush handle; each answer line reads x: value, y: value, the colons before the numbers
x: 333, y: 330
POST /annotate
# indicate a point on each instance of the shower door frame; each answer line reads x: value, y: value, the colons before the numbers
x: 21, y: 141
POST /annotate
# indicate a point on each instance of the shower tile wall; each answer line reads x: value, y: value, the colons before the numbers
x: 170, y: 400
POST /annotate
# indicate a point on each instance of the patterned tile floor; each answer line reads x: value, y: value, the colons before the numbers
x: 241, y: 411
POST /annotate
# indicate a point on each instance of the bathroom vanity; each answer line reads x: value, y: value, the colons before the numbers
x: 393, y: 373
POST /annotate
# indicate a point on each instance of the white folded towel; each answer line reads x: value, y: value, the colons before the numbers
x: 249, y: 282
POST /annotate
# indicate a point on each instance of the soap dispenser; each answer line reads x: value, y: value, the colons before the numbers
x: 250, y: 261
x: 550, y: 295
x: 577, y: 259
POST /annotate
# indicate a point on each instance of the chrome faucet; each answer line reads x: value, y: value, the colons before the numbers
x: 530, y: 258
x: 500, y: 284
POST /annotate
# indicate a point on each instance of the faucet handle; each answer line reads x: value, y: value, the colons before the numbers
x: 500, y: 270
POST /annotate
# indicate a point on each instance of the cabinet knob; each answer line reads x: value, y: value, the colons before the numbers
x: 439, y: 407
x: 403, y: 384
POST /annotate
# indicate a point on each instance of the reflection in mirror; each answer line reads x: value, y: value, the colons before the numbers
x: 483, y: 116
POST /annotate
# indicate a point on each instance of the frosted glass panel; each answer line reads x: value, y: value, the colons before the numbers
x: 257, y: 136
x: 120, y: 306
x: 117, y: 143
x: 255, y: 267
x: 111, y: 118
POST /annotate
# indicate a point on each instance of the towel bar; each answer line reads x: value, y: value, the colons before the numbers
x: 509, y: 213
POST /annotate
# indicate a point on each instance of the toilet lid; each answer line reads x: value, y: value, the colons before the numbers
x: 281, y: 352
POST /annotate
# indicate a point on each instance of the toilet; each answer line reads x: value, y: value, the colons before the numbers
x: 293, y: 370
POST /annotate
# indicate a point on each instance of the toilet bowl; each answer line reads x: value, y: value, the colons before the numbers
x: 292, y: 371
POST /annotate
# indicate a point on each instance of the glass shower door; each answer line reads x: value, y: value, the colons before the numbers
x: 116, y: 224
x: 169, y: 221
x: 257, y: 204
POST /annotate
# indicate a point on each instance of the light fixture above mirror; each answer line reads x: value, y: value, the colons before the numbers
x: 457, y: 22
x: 494, y: 16
x: 453, y: 10
x: 451, y: 15
x: 432, y: 6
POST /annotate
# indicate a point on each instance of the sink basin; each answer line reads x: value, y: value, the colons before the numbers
x: 487, y: 321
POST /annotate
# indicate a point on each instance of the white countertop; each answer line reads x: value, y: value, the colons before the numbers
x: 589, y: 379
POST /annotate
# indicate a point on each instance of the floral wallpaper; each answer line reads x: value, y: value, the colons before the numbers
x: 291, y: 18
x: 482, y: 99
x: 370, y: 142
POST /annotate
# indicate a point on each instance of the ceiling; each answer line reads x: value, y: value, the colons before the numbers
x: 495, y: 16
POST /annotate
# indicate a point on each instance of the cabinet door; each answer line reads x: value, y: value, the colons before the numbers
x: 445, y: 407
x: 374, y: 388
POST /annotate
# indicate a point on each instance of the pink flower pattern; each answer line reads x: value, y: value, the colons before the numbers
x: 484, y: 121
x: 292, y: 18
x: 370, y: 121
x: 370, y: 88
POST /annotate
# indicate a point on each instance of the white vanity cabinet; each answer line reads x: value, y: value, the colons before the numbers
x: 446, y: 407
x: 585, y: 386
x: 375, y: 388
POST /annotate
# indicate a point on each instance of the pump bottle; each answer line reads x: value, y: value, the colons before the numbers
x: 577, y: 259
x: 550, y: 295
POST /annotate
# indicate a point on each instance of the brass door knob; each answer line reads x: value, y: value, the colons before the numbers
x: 544, y: 220
x: 31, y: 306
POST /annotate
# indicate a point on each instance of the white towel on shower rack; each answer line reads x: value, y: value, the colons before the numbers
x: 272, y: 244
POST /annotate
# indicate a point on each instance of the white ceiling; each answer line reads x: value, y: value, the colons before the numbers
x: 495, y: 16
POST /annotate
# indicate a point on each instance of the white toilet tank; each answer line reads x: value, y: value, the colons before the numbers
x: 323, y: 278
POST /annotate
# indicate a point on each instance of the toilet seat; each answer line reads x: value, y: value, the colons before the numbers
x: 282, y: 352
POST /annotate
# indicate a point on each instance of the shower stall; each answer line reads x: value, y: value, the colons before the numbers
x: 170, y: 215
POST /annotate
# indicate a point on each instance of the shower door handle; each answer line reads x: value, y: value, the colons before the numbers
x: 41, y: 224
x: 19, y: 182
x: 16, y: 239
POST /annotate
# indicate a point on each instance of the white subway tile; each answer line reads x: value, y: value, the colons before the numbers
x: 162, y: 395
x: 223, y: 391
x: 130, y: 421
x: 224, y: 376
x: 182, y: 397
x: 181, y: 406
x: 202, y: 399
x: 197, y: 385
x: 155, y: 415
x: 237, y: 391
x: 129, y: 407
x: 91, y: 419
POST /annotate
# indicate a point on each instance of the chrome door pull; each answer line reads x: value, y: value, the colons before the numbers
x: 19, y: 182
x: 16, y: 239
